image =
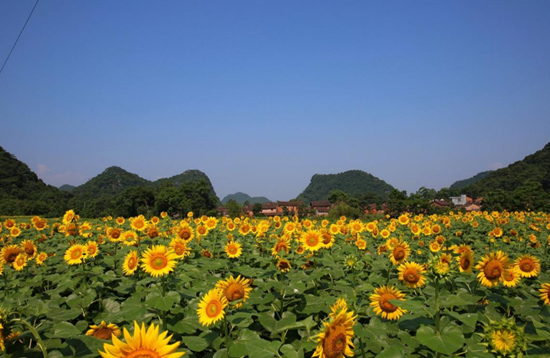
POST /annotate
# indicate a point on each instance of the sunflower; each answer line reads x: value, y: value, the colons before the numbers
x: 283, y: 244
x: 528, y: 265
x: 502, y: 341
x: 40, y: 224
x: 104, y: 331
x: 492, y: 268
x: 158, y: 260
x: 236, y: 291
x: 361, y: 244
x: 211, y: 223
x: 505, y: 338
x: 206, y: 253
x: 283, y: 265
x: 92, y: 249
x: 311, y: 240
x: 129, y: 238
x: 379, y: 302
x: 75, y: 254
x: 20, y: 262
x: 211, y: 307
x: 130, y: 264
x: 466, y: 261
x: 139, y: 223
x: 435, y: 246
x: 15, y: 231
x: 9, y: 223
x: 29, y: 247
x: 511, y: 277
x: 233, y: 249
x: 179, y: 246
x: 185, y: 232
x: 400, y: 253
x: 41, y: 257
x: 327, y: 239
x: 120, y: 220
x: 545, y: 293
x: 114, y: 234
x: 403, y: 219
x: 385, y: 233
x: 146, y: 343
x: 68, y: 217
x: 411, y: 274
x: 336, y: 340
x: 152, y: 231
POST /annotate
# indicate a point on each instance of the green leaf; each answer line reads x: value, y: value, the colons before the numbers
x: 196, y: 344
x: 165, y: 303
x: 447, y: 342
x: 261, y: 348
x: 222, y: 353
x: 60, y: 314
x: 392, y: 352
x: 65, y: 330
x: 267, y: 320
x: 241, y: 319
x: 289, y: 351
x: 287, y: 322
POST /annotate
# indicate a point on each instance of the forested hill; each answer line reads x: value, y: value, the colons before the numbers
x: 459, y: 184
x: 241, y: 198
x: 112, y: 181
x: 523, y: 185
x: 22, y: 193
x: 353, y: 182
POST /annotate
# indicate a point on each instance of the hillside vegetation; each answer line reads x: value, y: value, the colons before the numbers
x: 353, y: 182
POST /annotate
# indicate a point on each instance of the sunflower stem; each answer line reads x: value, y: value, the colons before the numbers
x: 362, y: 347
x: 33, y: 331
x: 437, y: 314
x: 163, y: 293
x: 225, y: 332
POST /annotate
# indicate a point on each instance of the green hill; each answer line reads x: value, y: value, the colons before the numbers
x: 523, y: 185
x: 23, y: 193
x: 191, y: 175
x: 353, y: 182
x: 112, y: 181
x: 459, y: 184
x: 66, y: 187
x: 533, y: 168
x: 242, y: 197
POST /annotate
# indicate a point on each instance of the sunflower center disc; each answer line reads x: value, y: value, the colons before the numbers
x: 159, y: 263
x: 465, y: 263
x: 385, y: 305
x: 143, y: 353
x: 213, y: 309
x: 234, y: 292
x: 493, y: 270
x: 399, y: 253
x: 412, y: 277
x: 335, y: 342
x: 526, y: 266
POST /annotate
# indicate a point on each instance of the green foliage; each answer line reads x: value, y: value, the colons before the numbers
x: 343, y: 209
x: 534, y: 168
x: 241, y: 198
x: 234, y: 208
x: 459, y: 184
x: 22, y: 193
x: 353, y: 183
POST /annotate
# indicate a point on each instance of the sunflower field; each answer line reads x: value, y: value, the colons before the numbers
x: 460, y: 284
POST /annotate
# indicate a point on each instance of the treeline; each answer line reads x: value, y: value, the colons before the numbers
x: 146, y: 200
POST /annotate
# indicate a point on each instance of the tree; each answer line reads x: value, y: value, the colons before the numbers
x: 397, y: 202
x: 234, y: 208
x: 257, y: 209
x: 338, y: 196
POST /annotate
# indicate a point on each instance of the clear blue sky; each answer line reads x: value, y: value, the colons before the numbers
x: 261, y: 95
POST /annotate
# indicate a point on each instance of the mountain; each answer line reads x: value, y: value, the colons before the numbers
x: 192, y: 175
x: 66, y: 187
x: 242, y: 197
x: 353, y: 182
x: 112, y: 181
x: 23, y: 193
x: 459, y: 184
x: 534, y: 168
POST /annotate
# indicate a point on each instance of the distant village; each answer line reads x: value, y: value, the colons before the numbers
x: 322, y: 207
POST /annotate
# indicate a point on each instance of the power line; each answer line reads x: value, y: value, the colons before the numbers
x: 15, y: 43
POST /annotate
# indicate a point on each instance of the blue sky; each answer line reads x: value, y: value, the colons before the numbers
x: 261, y: 95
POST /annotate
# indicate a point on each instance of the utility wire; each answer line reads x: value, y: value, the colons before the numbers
x: 13, y: 47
